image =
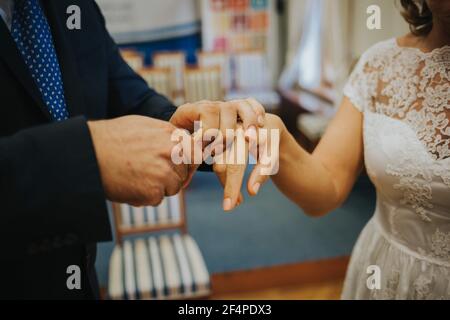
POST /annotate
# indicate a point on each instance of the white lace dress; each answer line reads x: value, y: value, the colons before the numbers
x: 404, y: 95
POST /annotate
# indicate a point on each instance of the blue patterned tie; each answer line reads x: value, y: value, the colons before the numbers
x: 33, y: 38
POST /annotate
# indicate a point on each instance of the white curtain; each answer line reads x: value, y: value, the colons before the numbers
x: 318, y: 48
x: 337, y: 52
x: 296, y: 13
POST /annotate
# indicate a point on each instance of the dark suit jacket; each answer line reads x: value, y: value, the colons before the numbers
x: 52, y: 204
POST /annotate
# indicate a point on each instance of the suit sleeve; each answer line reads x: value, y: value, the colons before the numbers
x: 128, y: 92
x: 51, y: 192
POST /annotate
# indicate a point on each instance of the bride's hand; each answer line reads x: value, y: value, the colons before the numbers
x: 231, y: 172
x: 265, y: 149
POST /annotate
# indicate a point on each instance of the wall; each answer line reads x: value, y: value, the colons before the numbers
x: 393, y: 24
x: 142, y: 21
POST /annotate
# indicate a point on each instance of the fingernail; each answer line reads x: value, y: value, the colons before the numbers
x: 227, y: 204
x: 261, y: 121
x: 256, y: 187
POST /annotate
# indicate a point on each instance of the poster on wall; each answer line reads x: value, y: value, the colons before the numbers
x: 134, y: 21
x: 235, y: 25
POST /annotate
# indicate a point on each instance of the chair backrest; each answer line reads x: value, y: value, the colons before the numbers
x: 158, y: 79
x: 203, y: 84
x: 134, y: 59
x: 169, y: 215
x: 175, y: 62
x: 220, y: 59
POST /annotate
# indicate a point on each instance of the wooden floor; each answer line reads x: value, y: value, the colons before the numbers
x: 330, y: 290
x: 312, y: 280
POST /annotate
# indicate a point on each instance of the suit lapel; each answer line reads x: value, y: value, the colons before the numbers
x: 13, y: 59
x: 56, y: 16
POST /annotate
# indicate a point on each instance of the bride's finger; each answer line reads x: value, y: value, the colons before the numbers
x: 266, y: 167
x: 233, y: 185
x: 223, y: 178
x: 268, y: 155
x: 256, y: 180
x: 236, y: 164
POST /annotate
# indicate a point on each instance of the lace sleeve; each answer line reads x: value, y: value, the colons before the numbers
x: 360, y: 84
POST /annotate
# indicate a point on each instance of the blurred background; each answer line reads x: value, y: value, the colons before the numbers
x: 294, y: 56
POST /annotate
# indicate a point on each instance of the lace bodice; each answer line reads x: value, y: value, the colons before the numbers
x: 404, y: 94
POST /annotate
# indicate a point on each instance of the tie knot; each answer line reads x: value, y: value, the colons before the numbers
x: 26, y: 5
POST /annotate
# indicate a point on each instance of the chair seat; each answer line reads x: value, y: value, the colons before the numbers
x: 164, y: 267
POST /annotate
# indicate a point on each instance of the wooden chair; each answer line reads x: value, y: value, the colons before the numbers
x: 149, y: 262
x: 218, y: 59
x: 175, y: 62
x: 203, y: 84
x: 134, y: 59
x: 158, y: 79
x: 313, y: 127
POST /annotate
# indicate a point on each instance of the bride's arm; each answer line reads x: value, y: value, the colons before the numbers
x: 319, y: 182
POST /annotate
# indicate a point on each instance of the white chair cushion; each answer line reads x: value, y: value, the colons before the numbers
x: 165, y: 267
x: 168, y: 212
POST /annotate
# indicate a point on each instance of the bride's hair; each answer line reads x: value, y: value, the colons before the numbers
x: 419, y: 16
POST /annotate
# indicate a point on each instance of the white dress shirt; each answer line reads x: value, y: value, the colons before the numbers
x: 6, y: 11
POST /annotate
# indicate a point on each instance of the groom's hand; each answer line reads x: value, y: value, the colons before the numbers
x: 134, y: 158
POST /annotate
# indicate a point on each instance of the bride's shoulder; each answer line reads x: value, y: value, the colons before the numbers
x: 380, y: 50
